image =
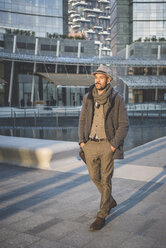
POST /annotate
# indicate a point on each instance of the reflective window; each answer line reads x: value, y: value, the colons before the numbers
x: 149, y: 19
x: 40, y: 16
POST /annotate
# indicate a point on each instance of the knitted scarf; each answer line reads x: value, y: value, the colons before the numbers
x: 103, y: 98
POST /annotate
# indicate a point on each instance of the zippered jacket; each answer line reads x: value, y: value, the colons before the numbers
x: 116, y: 121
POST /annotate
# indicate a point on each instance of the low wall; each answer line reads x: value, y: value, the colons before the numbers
x: 37, y: 153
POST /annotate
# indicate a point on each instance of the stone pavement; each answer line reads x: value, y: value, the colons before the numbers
x: 53, y: 209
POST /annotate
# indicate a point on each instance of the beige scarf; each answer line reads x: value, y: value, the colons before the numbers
x: 102, y: 99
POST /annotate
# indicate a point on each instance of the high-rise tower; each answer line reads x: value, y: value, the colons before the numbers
x: 92, y: 18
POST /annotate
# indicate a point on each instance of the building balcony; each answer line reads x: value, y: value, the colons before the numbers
x: 94, y: 10
x: 98, y: 42
x: 98, y: 27
x: 104, y: 33
x: 91, y: 16
x: 74, y: 15
x: 104, y: 17
x: 71, y: 12
x: 105, y: 49
x: 90, y: 31
x: 75, y: 26
x: 108, y: 39
x: 82, y: 19
x: 104, y: 1
x: 71, y: 1
x: 82, y: 3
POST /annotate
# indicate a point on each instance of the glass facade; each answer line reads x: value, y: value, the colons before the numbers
x: 40, y: 16
x: 136, y: 20
x: 149, y: 19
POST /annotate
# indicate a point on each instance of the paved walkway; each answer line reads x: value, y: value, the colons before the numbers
x: 47, y: 209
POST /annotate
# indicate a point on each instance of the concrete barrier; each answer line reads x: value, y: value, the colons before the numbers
x: 37, y: 153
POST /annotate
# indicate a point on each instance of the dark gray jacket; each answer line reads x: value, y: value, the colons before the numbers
x: 116, y: 121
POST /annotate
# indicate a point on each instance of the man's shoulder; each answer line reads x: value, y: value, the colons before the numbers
x: 86, y: 96
x: 116, y: 94
x: 117, y: 98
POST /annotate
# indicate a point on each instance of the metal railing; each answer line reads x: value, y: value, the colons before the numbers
x: 39, y: 111
x: 150, y: 110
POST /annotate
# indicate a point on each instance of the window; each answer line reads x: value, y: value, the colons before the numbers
x: 71, y: 49
x: 45, y: 47
x: 21, y: 45
x: 131, y: 52
x: 53, y: 48
x: 30, y: 46
x: 1, y: 43
x: 154, y: 50
x: 24, y: 45
x: 163, y: 50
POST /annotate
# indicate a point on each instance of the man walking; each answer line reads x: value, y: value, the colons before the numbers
x: 103, y: 125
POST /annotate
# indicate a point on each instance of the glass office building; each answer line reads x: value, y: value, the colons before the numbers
x: 40, y: 16
x: 149, y: 19
x: 133, y: 20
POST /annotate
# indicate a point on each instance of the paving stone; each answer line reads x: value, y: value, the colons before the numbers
x: 44, y: 243
x: 31, y: 222
x: 79, y: 237
x: 138, y: 241
x: 6, y: 212
x: 82, y: 219
x: 124, y: 222
x: 157, y: 231
x: 60, y: 230
x: 16, y: 217
x: 20, y: 240
x: 44, y: 226
x: 107, y: 238
x: 6, y: 234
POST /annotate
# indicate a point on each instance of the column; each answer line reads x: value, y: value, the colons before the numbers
x: 156, y: 94
x: 100, y: 50
x: 126, y: 72
x: 68, y: 103
x: 124, y: 92
x: 12, y: 72
x: 158, y: 57
x: 34, y: 70
x: 75, y: 99
x: 127, y: 51
x: 58, y: 47
x: 78, y: 56
x: 79, y: 50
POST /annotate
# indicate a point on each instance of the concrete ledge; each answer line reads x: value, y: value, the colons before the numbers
x: 36, y: 153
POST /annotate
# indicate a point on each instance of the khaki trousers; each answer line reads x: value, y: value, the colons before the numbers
x: 100, y: 163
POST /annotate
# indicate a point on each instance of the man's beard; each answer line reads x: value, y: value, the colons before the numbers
x: 103, y: 87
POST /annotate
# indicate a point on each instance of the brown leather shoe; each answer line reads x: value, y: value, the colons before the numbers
x: 97, y: 224
x: 113, y: 204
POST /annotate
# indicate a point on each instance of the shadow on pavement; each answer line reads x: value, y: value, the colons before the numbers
x: 39, y: 197
x: 138, y: 196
